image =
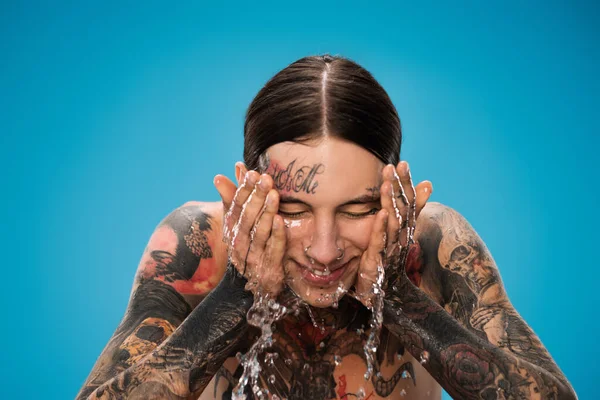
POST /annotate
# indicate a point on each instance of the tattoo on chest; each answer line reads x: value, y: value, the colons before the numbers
x: 301, y: 362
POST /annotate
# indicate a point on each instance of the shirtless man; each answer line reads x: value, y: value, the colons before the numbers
x: 317, y: 213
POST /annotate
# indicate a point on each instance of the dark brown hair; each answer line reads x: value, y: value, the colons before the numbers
x: 322, y: 96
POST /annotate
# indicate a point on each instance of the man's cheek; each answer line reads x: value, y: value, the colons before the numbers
x: 358, y: 233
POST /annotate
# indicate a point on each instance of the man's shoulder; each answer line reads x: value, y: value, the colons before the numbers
x: 186, y: 251
x: 203, y: 212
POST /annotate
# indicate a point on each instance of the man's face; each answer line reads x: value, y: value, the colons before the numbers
x: 329, y: 194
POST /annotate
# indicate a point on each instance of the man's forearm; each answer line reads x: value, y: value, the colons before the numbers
x: 185, y: 363
x: 464, y: 364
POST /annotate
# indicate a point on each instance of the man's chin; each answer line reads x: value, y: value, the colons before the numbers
x: 322, y: 298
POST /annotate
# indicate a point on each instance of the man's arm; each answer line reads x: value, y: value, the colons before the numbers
x: 477, y: 345
x: 182, y: 366
x: 176, y: 271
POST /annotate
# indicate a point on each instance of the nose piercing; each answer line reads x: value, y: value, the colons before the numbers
x: 306, y: 249
x: 341, y: 254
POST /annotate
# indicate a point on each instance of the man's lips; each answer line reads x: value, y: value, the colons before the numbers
x: 320, y: 276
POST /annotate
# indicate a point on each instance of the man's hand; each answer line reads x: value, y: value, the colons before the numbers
x: 253, y: 231
x: 394, y: 225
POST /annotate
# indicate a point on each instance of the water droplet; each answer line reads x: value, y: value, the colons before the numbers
x: 405, y: 375
x: 403, y: 393
x: 361, y: 393
x: 424, y: 357
x: 322, y: 344
x: 271, y: 379
x: 337, y: 359
x: 288, y: 361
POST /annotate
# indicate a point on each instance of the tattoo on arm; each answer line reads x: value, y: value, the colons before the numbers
x: 156, y: 307
x: 477, y: 345
x: 185, y: 363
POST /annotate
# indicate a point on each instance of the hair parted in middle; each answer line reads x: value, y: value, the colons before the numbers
x: 321, y: 96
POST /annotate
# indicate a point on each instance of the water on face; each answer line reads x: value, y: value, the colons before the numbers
x: 265, y: 312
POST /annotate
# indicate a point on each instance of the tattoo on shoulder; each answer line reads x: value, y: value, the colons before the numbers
x: 191, y: 226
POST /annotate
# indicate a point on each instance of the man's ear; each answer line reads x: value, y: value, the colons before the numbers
x: 240, y: 172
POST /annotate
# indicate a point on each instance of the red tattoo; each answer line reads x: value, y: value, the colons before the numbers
x: 342, y: 387
x: 414, y: 264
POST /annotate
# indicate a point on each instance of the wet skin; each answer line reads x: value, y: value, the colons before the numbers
x: 444, y: 298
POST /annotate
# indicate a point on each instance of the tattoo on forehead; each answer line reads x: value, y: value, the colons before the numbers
x: 295, y: 177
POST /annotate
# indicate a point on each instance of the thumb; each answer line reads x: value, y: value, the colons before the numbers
x: 226, y: 189
x: 423, y: 190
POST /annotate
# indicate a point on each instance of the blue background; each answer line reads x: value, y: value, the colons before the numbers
x: 114, y: 114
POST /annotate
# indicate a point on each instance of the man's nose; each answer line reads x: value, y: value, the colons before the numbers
x: 323, y: 248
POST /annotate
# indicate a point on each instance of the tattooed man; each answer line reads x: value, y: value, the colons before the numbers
x: 322, y: 214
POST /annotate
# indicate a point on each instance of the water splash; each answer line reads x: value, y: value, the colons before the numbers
x: 372, y: 342
x: 263, y: 314
x: 314, y: 320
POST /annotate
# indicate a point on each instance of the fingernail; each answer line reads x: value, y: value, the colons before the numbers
x: 250, y: 178
x: 263, y: 183
x: 276, y: 223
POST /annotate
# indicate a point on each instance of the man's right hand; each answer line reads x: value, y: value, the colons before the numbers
x: 253, y: 231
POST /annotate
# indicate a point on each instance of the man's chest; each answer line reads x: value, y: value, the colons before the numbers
x: 304, y: 364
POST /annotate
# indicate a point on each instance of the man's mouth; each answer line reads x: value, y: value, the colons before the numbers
x: 322, y: 277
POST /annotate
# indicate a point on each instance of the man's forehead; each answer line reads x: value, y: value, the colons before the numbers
x: 335, y: 154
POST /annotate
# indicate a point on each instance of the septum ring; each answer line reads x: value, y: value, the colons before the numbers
x: 338, y: 258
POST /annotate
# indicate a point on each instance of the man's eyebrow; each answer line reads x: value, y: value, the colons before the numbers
x: 287, y: 199
x: 363, y: 199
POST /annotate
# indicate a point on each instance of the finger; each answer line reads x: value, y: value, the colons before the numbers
x: 273, y: 276
x: 226, y: 189
x: 391, y: 174
x: 262, y: 228
x: 424, y: 191
x: 372, y: 260
x: 399, y: 200
x: 409, y: 194
x: 241, y: 196
x: 393, y: 224
x: 254, y: 205
x: 377, y: 242
x: 403, y: 173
